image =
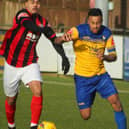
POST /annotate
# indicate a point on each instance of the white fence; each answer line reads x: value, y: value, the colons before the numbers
x: 50, y: 61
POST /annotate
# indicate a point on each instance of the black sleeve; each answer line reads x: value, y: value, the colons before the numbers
x: 59, y: 48
x: 31, y: 26
x: 49, y: 33
x: 65, y: 60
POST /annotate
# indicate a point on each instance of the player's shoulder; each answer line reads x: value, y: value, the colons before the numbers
x: 82, y: 27
x: 106, y: 31
x: 23, y: 13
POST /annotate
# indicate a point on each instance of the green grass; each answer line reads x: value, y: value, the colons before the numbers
x: 59, y: 106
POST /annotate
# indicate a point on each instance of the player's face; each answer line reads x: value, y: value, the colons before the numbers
x: 33, y: 5
x: 95, y: 23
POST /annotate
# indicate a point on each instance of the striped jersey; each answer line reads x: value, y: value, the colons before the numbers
x: 86, y: 44
x: 19, y: 44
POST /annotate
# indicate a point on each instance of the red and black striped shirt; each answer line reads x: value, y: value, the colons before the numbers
x: 19, y: 45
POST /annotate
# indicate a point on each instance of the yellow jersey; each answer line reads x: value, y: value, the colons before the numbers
x: 86, y: 44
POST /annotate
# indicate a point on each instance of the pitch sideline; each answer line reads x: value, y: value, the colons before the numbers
x: 71, y: 84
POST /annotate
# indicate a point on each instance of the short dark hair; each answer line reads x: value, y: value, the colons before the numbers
x: 95, y: 12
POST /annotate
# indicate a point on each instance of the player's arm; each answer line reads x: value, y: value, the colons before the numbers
x: 72, y: 34
x: 111, y: 56
x: 50, y: 34
x: 32, y: 27
x: 61, y: 52
x: 110, y: 45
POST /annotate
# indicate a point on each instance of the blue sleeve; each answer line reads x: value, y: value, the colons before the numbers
x: 82, y: 29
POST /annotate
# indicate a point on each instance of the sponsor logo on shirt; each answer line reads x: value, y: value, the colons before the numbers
x: 32, y: 37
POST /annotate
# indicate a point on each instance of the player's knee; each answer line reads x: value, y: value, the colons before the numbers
x: 115, y: 102
x: 85, y: 116
x: 37, y: 93
x: 36, y: 88
x: 11, y: 101
x: 117, y: 106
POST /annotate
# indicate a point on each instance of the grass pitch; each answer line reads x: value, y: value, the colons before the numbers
x: 59, y: 106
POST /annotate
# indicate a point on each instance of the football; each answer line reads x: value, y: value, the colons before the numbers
x: 46, y: 125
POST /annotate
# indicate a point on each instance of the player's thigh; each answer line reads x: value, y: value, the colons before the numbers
x: 33, y: 79
x: 31, y: 73
x: 115, y: 102
x: 106, y: 86
x: 11, y: 80
x: 85, y: 91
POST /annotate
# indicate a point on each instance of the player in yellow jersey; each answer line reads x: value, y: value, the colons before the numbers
x: 89, y: 42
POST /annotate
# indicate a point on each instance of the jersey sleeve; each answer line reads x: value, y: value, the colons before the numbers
x: 48, y: 31
x: 110, y: 45
x: 74, y: 33
x: 22, y: 16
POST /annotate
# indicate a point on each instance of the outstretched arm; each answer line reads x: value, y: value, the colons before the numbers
x: 57, y: 44
x: 48, y: 32
x: 65, y: 61
x: 64, y: 38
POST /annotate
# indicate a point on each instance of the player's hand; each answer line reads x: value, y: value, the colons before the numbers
x: 65, y: 65
x: 67, y: 37
x: 100, y: 55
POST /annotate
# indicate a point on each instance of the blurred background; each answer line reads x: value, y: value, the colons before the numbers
x: 68, y: 13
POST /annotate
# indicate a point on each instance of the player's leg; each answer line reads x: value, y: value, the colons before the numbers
x: 85, y: 94
x: 107, y: 90
x: 36, y: 102
x: 119, y: 114
x: 10, y: 108
x: 11, y: 83
x: 33, y: 78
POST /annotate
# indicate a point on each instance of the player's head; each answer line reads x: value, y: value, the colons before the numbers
x: 95, y: 18
x: 32, y: 5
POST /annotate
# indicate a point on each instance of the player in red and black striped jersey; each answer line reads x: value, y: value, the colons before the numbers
x: 19, y: 50
x: 19, y: 45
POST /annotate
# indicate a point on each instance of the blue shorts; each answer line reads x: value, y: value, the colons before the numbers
x: 86, y: 88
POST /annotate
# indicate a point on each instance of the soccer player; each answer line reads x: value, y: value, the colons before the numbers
x: 89, y: 42
x: 19, y: 50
